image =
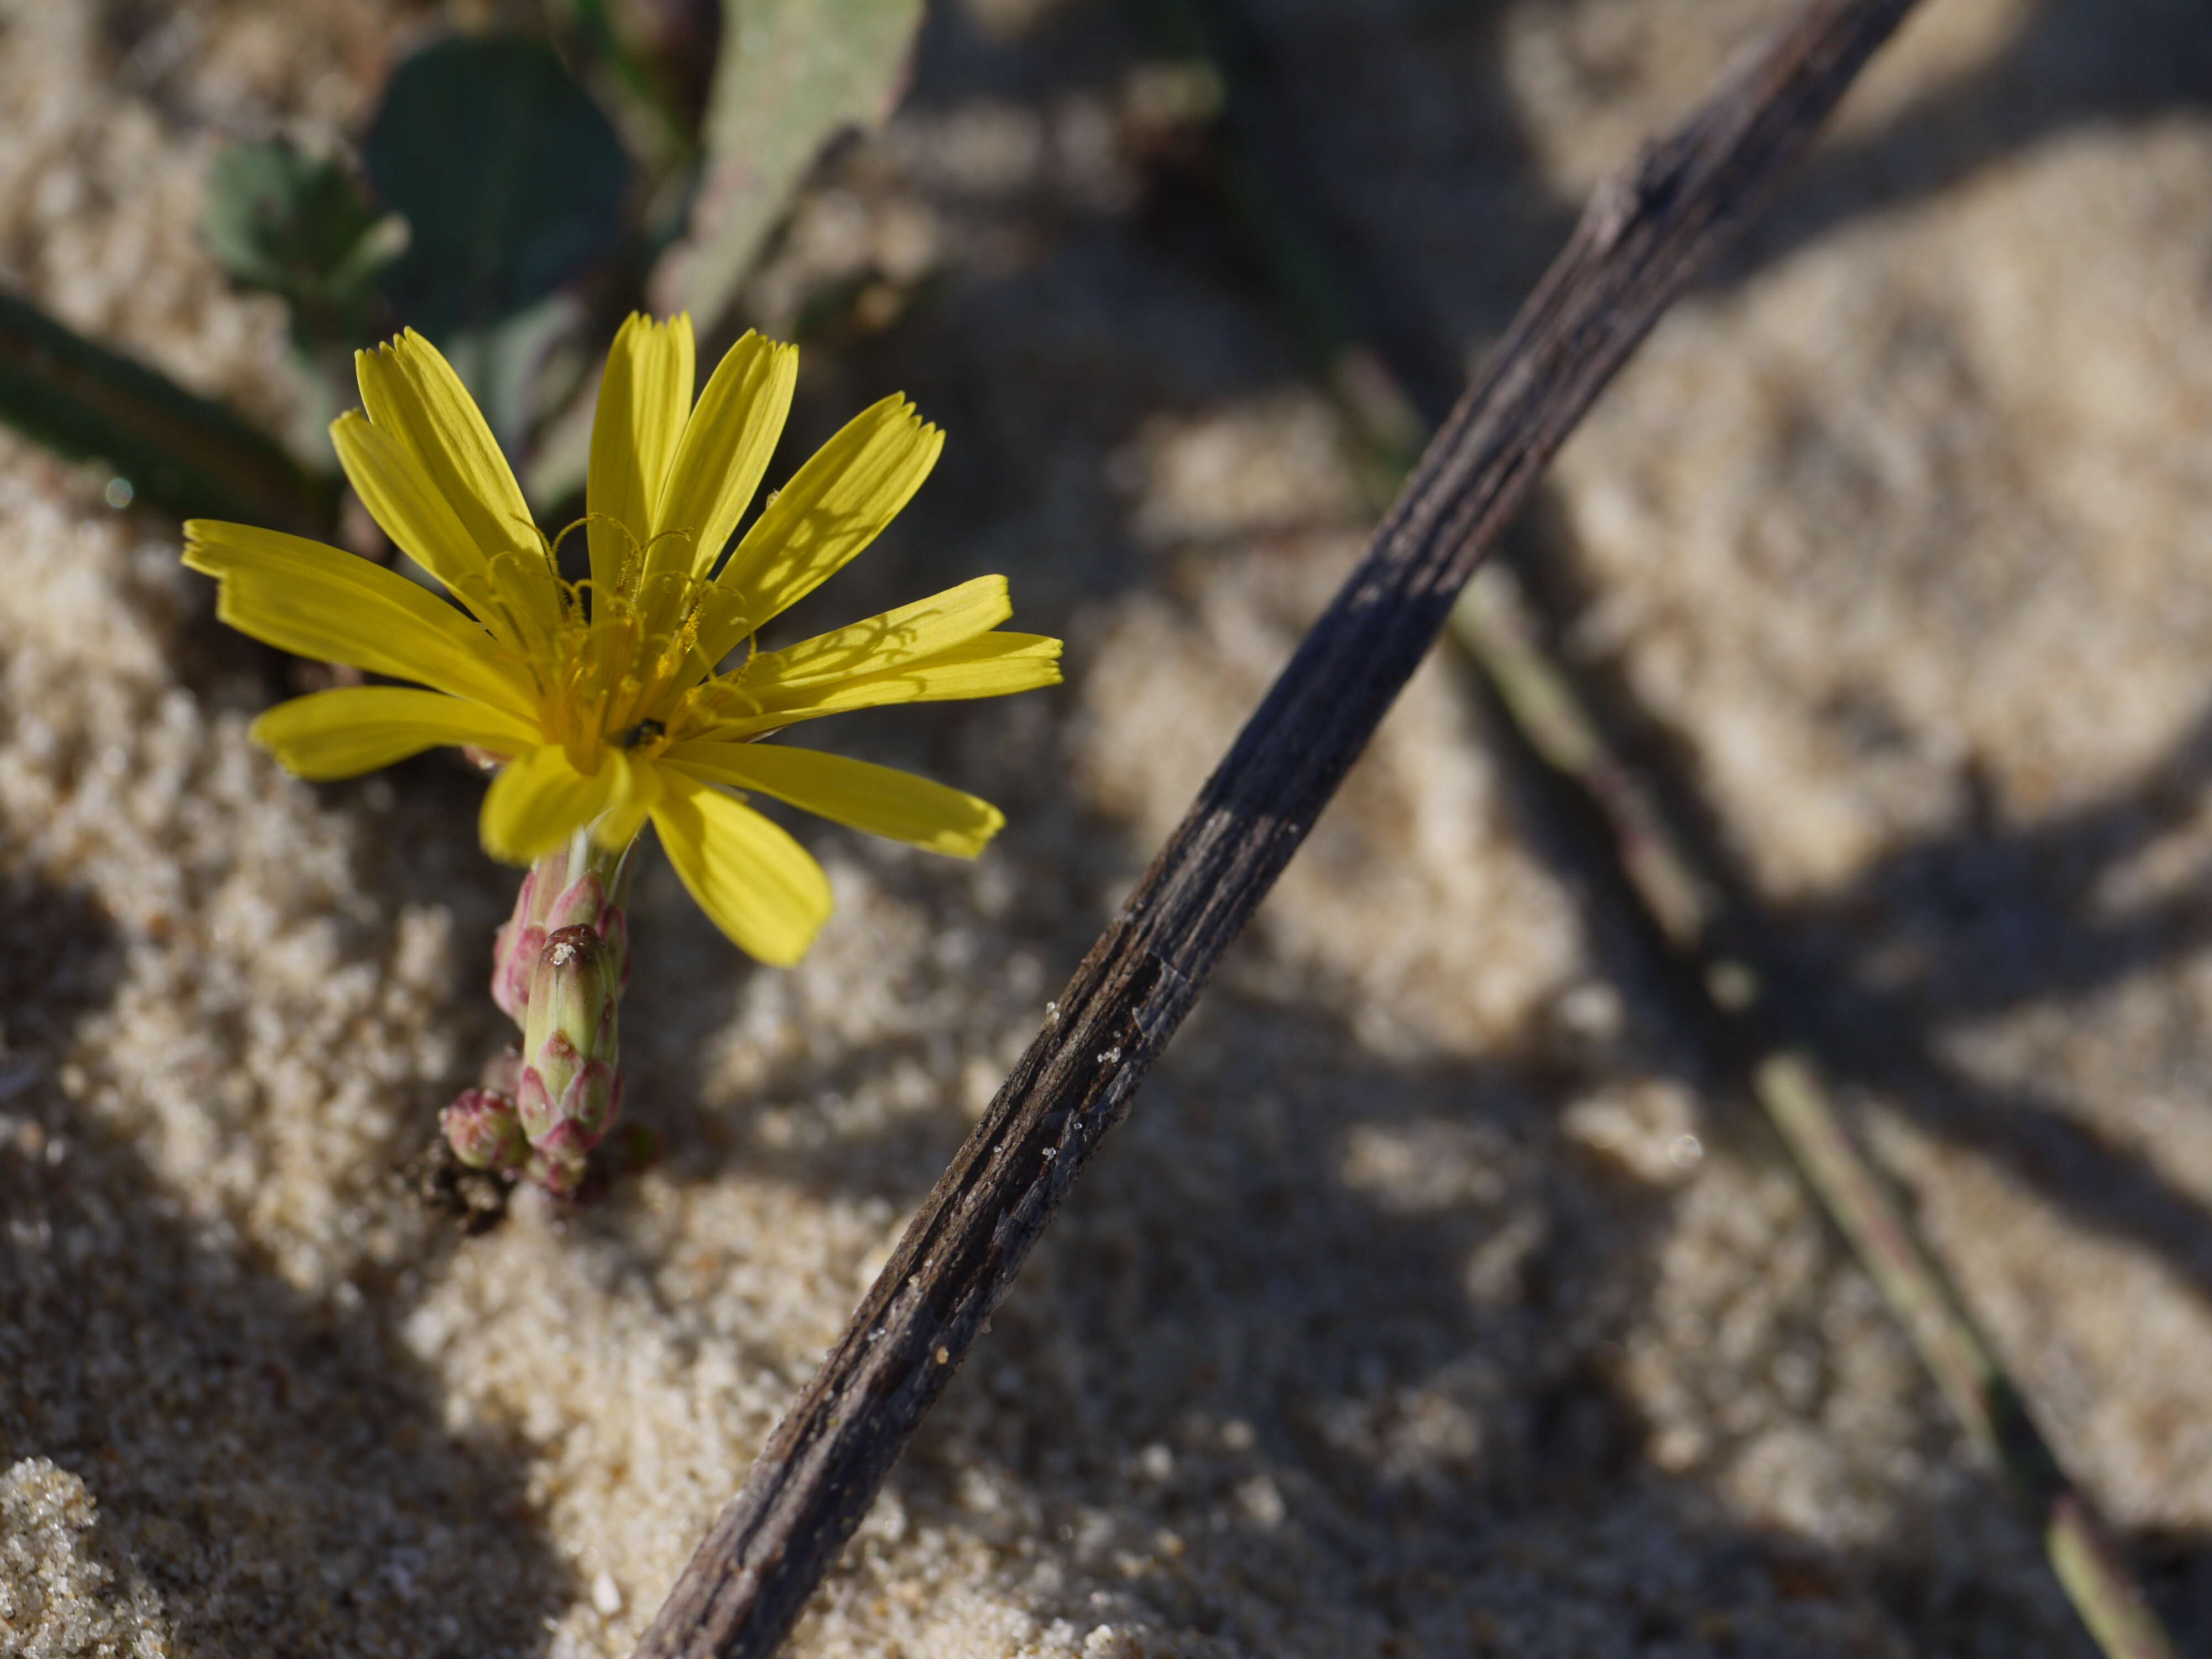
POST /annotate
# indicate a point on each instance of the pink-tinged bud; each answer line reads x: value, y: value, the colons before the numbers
x: 579, y: 904
x: 592, y: 1098
x: 559, y: 967
x: 533, y: 1105
x: 514, y: 960
x: 559, y: 1164
x: 502, y: 946
x: 484, y: 1132
x: 545, y: 888
x: 614, y: 928
x: 572, y: 994
x: 532, y: 888
x: 502, y: 971
x: 588, y: 1097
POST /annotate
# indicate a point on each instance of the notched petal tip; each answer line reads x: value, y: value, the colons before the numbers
x: 198, y: 534
x: 972, y: 839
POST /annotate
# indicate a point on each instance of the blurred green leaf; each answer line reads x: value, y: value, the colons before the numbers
x: 176, y: 450
x: 510, y: 176
x: 791, y: 75
x: 642, y: 80
x: 296, y: 224
x: 520, y: 368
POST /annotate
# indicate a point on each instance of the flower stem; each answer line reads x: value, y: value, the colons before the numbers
x: 558, y: 969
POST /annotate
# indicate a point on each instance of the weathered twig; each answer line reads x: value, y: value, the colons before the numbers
x: 1639, y: 867
x: 1644, y: 237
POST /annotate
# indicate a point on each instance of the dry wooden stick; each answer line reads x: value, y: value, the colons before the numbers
x: 1642, y: 869
x: 1646, y: 233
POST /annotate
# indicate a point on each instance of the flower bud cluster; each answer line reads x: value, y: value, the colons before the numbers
x: 559, y: 967
x: 570, y: 1093
x: 550, y: 900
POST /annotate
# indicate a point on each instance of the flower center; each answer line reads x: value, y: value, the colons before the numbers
x: 620, y: 667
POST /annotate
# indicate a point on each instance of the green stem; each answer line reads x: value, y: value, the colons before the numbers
x: 587, y: 856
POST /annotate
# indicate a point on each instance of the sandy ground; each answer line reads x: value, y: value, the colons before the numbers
x: 1427, y: 1305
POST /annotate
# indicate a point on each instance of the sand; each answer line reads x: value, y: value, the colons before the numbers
x: 1430, y: 1302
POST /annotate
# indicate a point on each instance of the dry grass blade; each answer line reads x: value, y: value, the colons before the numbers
x: 1645, y: 235
x: 791, y: 75
x: 178, y: 453
x: 1658, y: 872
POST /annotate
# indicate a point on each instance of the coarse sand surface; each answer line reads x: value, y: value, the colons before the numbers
x: 1431, y: 1302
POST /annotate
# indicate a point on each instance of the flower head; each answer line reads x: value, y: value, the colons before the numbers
x: 607, y: 698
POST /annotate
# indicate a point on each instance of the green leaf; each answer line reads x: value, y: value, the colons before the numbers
x: 177, y: 452
x: 791, y: 75
x: 518, y: 369
x: 642, y: 75
x: 511, y: 179
x: 296, y: 225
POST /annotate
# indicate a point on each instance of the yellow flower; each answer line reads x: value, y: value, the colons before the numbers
x: 603, y: 696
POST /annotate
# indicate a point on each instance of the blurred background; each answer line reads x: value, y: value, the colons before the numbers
x: 1443, y: 1293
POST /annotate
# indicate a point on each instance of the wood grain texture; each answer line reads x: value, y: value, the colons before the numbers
x: 1646, y: 233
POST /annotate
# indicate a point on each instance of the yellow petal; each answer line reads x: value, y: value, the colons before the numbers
x: 315, y: 601
x: 875, y: 799
x: 356, y: 729
x: 411, y: 391
x: 990, y: 665
x: 756, y: 884
x: 399, y: 496
x: 726, y: 448
x: 638, y: 786
x: 896, y: 639
x: 537, y: 801
x: 644, y: 396
x: 838, y: 503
